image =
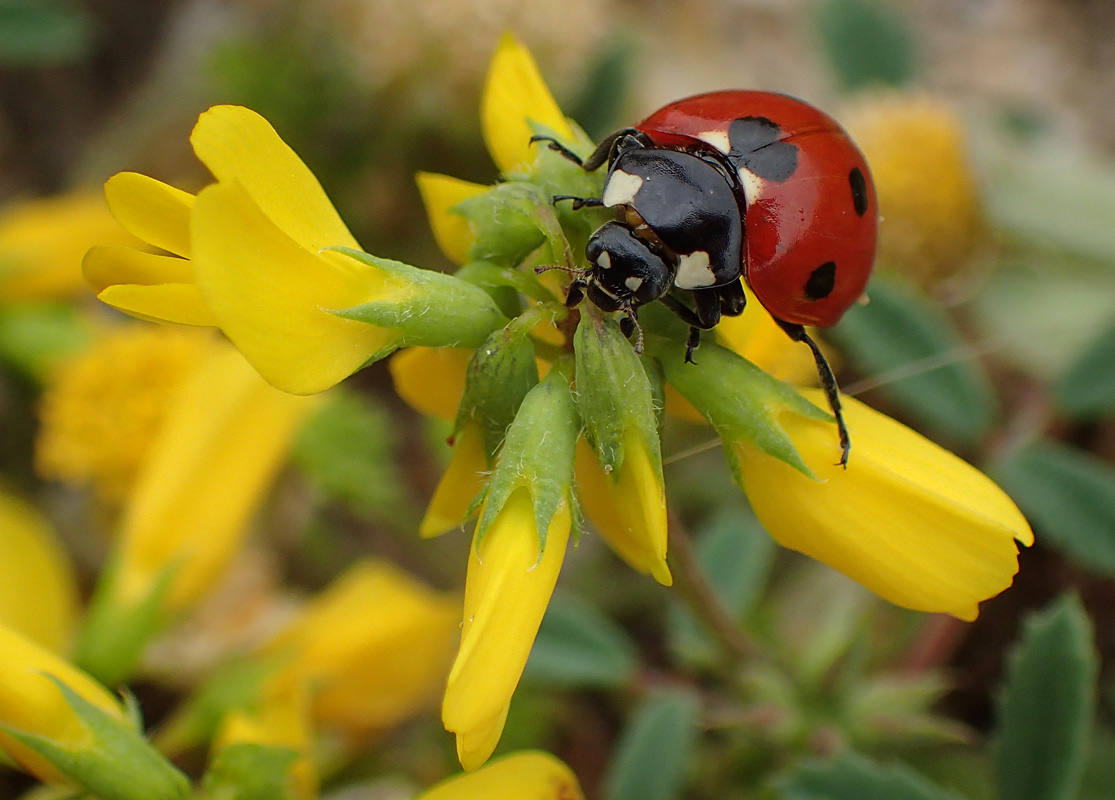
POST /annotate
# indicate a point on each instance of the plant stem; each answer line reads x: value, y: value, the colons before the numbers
x: 699, y: 595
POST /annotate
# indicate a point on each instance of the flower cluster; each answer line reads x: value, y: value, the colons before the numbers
x: 553, y: 411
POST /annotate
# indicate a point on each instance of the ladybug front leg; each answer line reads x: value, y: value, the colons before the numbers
x: 707, y: 302
x: 828, y: 383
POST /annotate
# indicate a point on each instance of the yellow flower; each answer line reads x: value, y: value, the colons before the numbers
x: 373, y: 649
x: 42, y: 243
x: 281, y: 722
x: 253, y: 254
x: 628, y: 508
x: 932, y: 224
x: 101, y: 409
x: 466, y: 475
x: 907, y: 519
x: 534, y: 775
x: 31, y: 703
x: 38, y: 589
x: 510, y: 580
x: 224, y: 437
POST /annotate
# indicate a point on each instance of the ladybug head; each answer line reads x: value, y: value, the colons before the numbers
x: 625, y: 272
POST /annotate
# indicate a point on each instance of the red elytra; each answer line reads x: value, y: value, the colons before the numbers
x: 823, y: 212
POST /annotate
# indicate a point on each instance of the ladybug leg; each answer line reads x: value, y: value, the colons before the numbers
x: 732, y: 299
x: 828, y: 383
x: 580, y: 202
x: 705, y: 317
x: 621, y: 139
x: 629, y: 326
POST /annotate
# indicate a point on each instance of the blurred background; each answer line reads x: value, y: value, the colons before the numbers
x: 990, y: 128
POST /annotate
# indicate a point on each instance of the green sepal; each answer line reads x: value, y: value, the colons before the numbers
x: 614, y: 394
x: 119, y: 765
x: 235, y: 686
x: 739, y: 399
x: 513, y: 220
x: 435, y: 309
x: 500, y: 374
x: 491, y: 276
x: 112, y: 640
x: 537, y: 455
x: 249, y: 771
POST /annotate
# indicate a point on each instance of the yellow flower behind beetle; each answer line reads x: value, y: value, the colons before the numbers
x: 263, y: 255
x: 534, y: 775
x: 907, y: 519
x: 372, y: 649
x: 38, y: 588
x: 42, y: 243
x: 60, y: 725
x: 224, y: 437
x: 102, y: 408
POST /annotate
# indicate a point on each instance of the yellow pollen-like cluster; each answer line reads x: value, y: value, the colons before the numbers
x: 101, y: 409
x: 932, y: 224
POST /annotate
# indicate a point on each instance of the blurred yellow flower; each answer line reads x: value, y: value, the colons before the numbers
x: 38, y: 588
x: 932, y: 223
x: 530, y: 774
x: 42, y: 243
x: 101, y: 409
x: 373, y: 648
x: 907, y: 519
x: 510, y: 580
x: 223, y: 439
x: 31, y: 703
x: 280, y: 722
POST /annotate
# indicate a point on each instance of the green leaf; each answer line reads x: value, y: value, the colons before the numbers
x: 1069, y: 496
x: 852, y: 777
x: 36, y: 33
x: 1046, y: 707
x: 736, y: 555
x: 867, y: 43
x: 654, y: 749
x: 740, y: 400
x: 577, y: 645
x: 35, y: 337
x: 1087, y: 387
x: 899, y: 330
x: 251, y: 772
x: 365, y: 477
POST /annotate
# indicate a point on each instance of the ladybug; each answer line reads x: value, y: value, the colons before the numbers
x: 726, y: 186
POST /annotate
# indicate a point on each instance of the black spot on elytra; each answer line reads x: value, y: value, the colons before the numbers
x: 859, y: 190
x: 756, y: 146
x: 821, y: 281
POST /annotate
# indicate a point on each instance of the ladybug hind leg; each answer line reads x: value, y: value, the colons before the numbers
x: 828, y: 383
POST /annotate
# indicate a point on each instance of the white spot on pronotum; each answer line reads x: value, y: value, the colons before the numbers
x: 718, y: 139
x: 633, y: 282
x: 621, y: 188
x: 604, y: 260
x: 752, y: 184
x: 694, y: 271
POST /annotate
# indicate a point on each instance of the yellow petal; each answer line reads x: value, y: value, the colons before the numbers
x: 375, y: 647
x: 155, y: 212
x: 475, y: 746
x: 440, y: 193
x: 431, y: 380
x: 907, y: 519
x: 513, y: 93
x: 145, y: 285
x: 272, y: 296
x: 42, y: 243
x: 629, y: 510
x: 466, y: 475
x: 225, y: 437
x: 508, y: 587
x: 533, y: 775
x: 38, y: 589
x: 239, y: 145
x: 31, y: 702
